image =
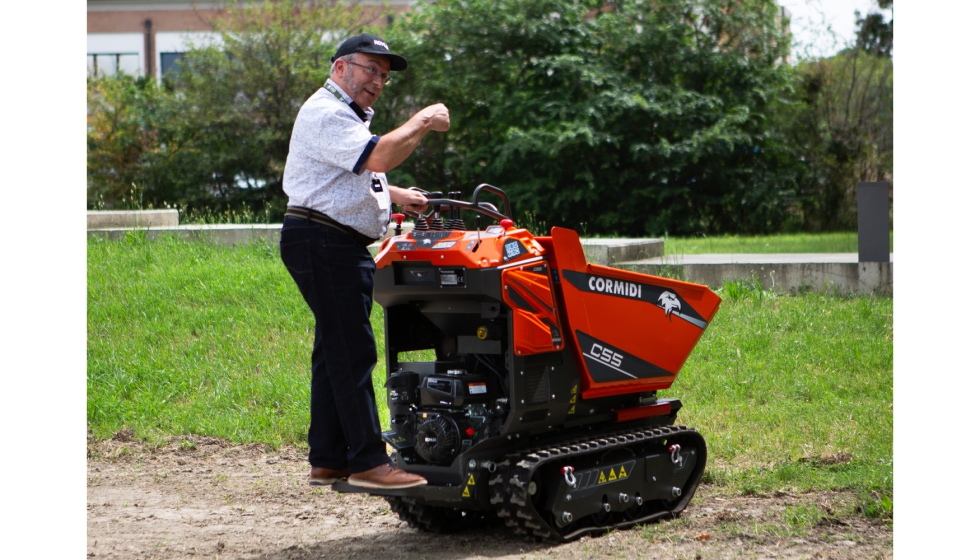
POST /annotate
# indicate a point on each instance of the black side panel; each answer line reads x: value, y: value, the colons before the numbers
x: 608, y: 363
x: 414, y: 332
x: 420, y: 281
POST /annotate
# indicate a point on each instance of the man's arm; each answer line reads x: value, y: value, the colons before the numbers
x: 395, y: 147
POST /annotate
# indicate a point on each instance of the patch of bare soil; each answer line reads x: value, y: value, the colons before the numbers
x: 200, y: 496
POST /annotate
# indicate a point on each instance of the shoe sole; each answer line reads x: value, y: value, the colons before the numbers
x: 376, y: 486
x: 323, y: 481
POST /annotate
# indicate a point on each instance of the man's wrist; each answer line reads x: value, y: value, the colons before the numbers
x: 426, y: 121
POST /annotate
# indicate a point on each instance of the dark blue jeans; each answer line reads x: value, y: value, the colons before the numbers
x: 335, y: 274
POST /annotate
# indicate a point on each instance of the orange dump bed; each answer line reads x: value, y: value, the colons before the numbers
x: 631, y: 332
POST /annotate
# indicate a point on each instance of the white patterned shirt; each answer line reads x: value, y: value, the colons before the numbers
x: 325, y: 166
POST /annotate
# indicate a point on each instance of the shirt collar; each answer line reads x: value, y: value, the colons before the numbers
x: 365, y: 114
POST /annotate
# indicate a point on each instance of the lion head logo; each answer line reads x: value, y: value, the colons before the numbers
x: 669, y: 301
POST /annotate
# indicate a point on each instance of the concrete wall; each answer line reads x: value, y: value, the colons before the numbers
x: 856, y: 277
x: 223, y: 234
x: 813, y: 272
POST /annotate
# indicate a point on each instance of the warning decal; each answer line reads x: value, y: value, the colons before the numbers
x: 605, y: 475
x: 466, y: 489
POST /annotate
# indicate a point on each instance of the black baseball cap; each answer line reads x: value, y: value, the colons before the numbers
x: 371, y: 44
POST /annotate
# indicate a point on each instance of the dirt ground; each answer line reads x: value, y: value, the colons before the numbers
x: 200, y: 496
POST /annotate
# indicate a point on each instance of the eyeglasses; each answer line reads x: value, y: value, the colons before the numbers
x: 374, y: 73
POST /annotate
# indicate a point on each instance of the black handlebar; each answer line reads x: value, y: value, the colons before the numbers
x: 484, y: 208
x: 496, y: 191
x: 481, y: 208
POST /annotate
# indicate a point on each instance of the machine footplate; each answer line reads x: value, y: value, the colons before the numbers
x: 446, y: 495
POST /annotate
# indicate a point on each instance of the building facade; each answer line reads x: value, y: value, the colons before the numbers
x: 145, y: 37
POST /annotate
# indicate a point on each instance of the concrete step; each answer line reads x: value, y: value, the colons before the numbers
x: 109, y: 219
x: 611, y: 251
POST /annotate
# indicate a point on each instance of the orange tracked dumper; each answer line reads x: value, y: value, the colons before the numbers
x: 539, y: 404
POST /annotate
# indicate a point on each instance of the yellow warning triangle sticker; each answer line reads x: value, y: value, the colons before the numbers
x: 602, y: 477
x: 572, y: 410
x: 612, y: 474
x: 466, y: 492
x: 622, y: 472
x: 471, y: 481
x: 573, y: 399
x: 574, y: 389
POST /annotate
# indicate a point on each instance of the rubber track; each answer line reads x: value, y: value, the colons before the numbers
x: 509, y: 494
x: 434, y: 519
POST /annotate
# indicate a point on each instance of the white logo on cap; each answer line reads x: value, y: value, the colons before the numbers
x: 382, y: 43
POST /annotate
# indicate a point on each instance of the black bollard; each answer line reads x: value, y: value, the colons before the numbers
x: 873, y: 222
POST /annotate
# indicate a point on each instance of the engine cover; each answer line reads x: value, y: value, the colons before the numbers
x: 456, y: 390
x: 437, y: 439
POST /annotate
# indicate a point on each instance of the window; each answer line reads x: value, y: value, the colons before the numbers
x: 108, y: 64
x: 170, y: 61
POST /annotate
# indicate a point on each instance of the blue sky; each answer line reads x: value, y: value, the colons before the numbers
x: 811, y: 18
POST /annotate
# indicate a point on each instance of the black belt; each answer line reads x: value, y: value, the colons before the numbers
x: 321, y: 218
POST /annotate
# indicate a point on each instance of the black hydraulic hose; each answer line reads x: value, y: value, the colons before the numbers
x: 500, y: 377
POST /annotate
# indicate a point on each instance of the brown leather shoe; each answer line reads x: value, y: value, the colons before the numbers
x: 386, y: 476
x: 320, y: 476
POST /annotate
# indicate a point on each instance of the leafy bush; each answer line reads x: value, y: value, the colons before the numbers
x: 123, y: 137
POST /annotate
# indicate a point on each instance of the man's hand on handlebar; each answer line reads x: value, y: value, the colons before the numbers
x: 411, y: 201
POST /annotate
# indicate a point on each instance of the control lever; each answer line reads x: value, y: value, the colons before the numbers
x: 399, y: 218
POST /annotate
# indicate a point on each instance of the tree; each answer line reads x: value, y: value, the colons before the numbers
x: 874, y: 35
x: 628, y: 118
x: 844, y: 129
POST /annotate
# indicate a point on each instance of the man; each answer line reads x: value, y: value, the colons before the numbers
x: 339, y: 202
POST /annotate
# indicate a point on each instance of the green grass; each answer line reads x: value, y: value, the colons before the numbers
x: 240, y: 215
x: 794, y: 392
x: 783, y: 243
x: 194, y: 338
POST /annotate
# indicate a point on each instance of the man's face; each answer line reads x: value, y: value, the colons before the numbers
x: 363, y: 85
